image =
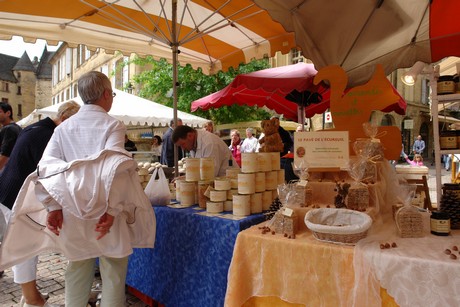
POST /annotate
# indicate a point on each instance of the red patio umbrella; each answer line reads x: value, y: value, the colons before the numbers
x: 269, y: 88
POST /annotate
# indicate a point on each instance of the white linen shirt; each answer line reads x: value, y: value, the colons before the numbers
x: 88, y: 132
x: 209, y: 145
x: 249, y: 144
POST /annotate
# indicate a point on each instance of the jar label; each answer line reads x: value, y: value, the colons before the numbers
x: 441, y: 226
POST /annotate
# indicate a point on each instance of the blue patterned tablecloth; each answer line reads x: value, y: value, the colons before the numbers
x: 189, y: 264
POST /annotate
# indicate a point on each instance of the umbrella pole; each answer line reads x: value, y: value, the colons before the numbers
x: 301, y: 116
x: 175, y: 51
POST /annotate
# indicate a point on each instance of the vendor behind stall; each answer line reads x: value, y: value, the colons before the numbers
x: 203, y: 144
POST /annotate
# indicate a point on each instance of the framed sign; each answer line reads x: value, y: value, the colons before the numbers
x: 408, y: 124
x: 321, y: 149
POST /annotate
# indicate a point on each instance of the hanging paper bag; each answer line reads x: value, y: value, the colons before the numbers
x: 157, y: 189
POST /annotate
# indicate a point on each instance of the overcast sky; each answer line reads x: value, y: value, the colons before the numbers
x: 16, y: 47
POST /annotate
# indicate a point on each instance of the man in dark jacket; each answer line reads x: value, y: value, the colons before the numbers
x: 167, y: 151
x: 8, y: 133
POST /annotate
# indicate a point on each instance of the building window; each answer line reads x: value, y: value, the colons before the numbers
x: 5, y: 100
x: 4, y: 86
x: 297, y: 56
x: 18, y: 75
x: 19, y: 91
x: 19, y: 112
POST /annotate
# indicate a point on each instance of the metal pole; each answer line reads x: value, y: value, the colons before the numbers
x: 437, y: 147
x: 175, y: 50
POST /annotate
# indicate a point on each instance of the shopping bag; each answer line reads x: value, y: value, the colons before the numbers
x: 157, y: 188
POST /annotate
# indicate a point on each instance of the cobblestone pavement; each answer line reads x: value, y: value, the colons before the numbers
x: 51, y: 267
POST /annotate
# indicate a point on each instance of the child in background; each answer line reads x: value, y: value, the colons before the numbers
x: 418, y: 160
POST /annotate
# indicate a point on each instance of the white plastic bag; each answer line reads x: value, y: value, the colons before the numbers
x: 157, y: 190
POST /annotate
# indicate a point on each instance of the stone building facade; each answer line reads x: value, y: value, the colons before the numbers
x: 25, y: 84
x: 69, y: 63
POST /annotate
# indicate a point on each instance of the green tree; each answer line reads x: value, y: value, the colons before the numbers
x: 155, y: 83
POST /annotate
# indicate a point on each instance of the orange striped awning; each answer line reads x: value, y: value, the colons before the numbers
x: 211, y: 34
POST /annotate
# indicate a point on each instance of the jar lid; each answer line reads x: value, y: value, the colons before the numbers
x: 453, y: 186
x: 440, y: 215
x: 445, y: 78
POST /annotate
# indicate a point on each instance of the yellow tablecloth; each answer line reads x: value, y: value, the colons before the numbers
x: 297, y: 271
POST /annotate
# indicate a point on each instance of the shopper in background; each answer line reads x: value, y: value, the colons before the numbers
x: 250, y: 142
x: 167, y: 152
x: 285, y: 137
x: 235, y: 145
x: 209, y: 126
x: 418, y: 160
x: 419, y: 146
x: 8, y: 133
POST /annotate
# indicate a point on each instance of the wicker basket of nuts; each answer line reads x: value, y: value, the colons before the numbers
x: 340, y: 226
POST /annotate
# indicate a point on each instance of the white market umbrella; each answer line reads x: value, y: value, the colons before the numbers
x: 134, y: 110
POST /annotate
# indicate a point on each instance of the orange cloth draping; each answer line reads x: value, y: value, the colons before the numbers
x: 301, y: 270
x: 270, y: 301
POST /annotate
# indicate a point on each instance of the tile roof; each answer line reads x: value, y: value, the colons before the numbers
x: 7, y: 62
x: 24, y: 63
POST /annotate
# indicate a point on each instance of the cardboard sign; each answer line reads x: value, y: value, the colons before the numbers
x: 321, y: 149
x: 351, y: 110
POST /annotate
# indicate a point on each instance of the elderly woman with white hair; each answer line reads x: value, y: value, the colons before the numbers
x: 250, y: 142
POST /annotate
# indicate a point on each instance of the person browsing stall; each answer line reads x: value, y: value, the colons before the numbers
x: 203, y: 144
x: 24, y: 158
x: 167, y: 151
x: 96, y: 207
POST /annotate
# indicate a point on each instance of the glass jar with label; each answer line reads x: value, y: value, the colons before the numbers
x: 440, y: 223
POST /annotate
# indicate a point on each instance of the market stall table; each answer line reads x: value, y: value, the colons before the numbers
x: 268, y: 270
x: 189, y: 264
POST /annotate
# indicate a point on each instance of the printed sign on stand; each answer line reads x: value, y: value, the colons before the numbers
x: 321, y: 149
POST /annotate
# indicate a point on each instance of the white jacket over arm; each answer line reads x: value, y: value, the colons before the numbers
x: 108, y: 178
